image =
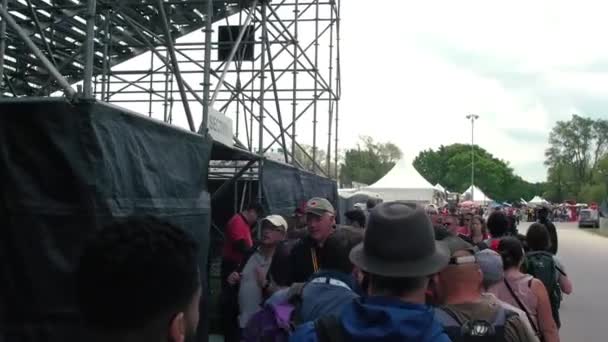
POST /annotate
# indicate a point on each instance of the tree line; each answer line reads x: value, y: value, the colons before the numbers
x: 577, y: 160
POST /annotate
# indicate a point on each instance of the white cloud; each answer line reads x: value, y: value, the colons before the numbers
x: 414, y: 70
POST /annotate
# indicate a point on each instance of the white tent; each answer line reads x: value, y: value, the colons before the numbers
x: 478, y: 196
x: 537, y: 200
x: 439, y: 187
x: 403, y: 183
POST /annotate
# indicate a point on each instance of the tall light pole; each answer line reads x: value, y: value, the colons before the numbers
x: 472, y: 117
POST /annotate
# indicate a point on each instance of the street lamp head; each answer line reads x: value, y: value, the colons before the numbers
x: 472, y: 116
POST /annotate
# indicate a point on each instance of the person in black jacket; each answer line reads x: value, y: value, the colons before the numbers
x: 304, y: 257
x: 543, y: 217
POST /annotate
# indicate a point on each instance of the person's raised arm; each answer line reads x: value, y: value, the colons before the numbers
x: 546, y: 323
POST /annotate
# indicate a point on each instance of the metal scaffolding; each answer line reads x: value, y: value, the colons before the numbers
x: 277, y: 76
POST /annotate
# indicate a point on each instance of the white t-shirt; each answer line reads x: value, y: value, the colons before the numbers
x: 250, y: 293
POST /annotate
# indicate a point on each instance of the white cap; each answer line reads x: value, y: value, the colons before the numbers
x: 277, y: 221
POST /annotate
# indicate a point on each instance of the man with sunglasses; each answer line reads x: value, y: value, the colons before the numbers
x: 465, y: 313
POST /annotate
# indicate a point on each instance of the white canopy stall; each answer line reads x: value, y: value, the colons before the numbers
x: 404, y: 183
x: 478, y: 196
x: 537, y: 200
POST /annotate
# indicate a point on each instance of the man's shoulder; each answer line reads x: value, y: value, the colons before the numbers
x: 236, y: 219
x: 516, y: 329
x: 484, y: 309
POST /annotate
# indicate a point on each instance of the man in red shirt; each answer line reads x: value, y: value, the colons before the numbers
x: 237, y: 241
x: 238, y: 238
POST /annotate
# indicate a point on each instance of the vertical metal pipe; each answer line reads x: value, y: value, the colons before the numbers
x: 330, y: 99
x: 166, y: 97
x: 472, y: 157
x: 2, y: 48
x: 336, y: 166
x: 105, y: 67
x: 338, y: 86
x: 207, y: 71
x: 316, y: 88
x: 151, y: 84
x: 261, y: 102
x: 294, y: 112
x: 90, y: 50
x: 65, y: 85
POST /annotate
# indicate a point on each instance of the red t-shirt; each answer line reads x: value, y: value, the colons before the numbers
x: 463, y: 230
x: 236, y: 229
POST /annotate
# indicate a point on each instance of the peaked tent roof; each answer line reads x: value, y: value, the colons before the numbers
x: 439, y: 187
x: 403, y: 183
x: 402, y: 176
x: 478, y: 195
x: 537, y: 200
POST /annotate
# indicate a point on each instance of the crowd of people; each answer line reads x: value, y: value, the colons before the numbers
x: 395, y: 273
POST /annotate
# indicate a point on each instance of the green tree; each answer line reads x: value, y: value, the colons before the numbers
x: 575, y: 157
x: 304, y: 157
x: 368, y: 162
x: 451, y: 167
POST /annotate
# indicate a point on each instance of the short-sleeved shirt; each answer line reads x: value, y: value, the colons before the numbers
x: 250, y: 293
x: 236, y: 229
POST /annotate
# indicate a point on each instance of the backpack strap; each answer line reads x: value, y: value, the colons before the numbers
x: 447, y: 317
x: 329, y: 329
x: 522, y: 306
x: 451, y: 324
x: 294, y: 297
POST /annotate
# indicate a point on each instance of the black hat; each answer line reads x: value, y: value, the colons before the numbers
x: 400, y: 242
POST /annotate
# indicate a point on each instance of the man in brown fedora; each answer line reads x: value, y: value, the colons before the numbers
x: 400, y: 256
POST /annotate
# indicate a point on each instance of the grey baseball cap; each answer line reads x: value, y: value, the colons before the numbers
x: 319, y: 206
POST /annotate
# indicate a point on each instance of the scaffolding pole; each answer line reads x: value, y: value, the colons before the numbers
x: 65, y: 85
x: 261, y: 103
x: 207, y: 72
x: 89, y: 63
x: 2, y: 48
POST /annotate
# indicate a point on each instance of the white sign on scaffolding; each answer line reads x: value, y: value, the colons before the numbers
x: 220, y: 127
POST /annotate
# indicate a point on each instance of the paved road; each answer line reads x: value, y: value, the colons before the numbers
x: 585, y: 256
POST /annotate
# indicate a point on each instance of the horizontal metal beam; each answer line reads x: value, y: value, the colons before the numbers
x: 65, y: 85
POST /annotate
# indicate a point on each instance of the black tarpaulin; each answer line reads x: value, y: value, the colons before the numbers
x: 285, y: 187
x: 67, y: 170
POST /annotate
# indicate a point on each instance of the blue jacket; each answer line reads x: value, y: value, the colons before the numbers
x: 380, y: 319
x: 322, y: 299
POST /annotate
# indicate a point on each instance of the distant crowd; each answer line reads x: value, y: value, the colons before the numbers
x: 395, y: 272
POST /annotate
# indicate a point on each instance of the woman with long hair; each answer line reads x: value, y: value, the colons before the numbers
x: 524, y: 291
x: 479, y: 232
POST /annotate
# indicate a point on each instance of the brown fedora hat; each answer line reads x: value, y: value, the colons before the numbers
x: 400, y: 242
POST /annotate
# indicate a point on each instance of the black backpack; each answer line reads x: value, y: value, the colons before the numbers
x: 474, y: 330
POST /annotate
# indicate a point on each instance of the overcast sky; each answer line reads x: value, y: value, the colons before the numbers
x: 519, y: 65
